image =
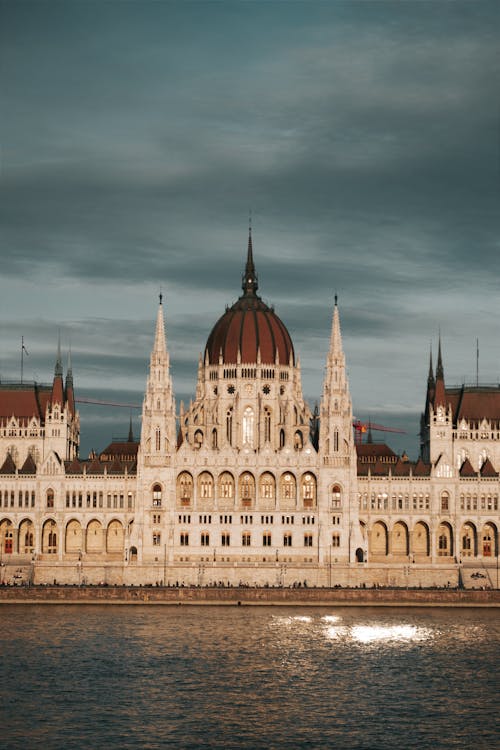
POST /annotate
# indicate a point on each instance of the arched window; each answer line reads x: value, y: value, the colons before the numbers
x: 336, y: 496
x: 205, y: 486
x: 229, y: 426
x: 282, y: 438
x: 226, y: 486
x: 157, y: 439
x: 50, y: 498
x: 214, y: 439
x: 308, y: 490
x: 185, y: 487
x: 445, y: 502
x: 288, y: 487
x: 157, y: 496
x: 49, y: 538
x: 247, y: 488
x: 336, y: 440
x: 248, y: 425
x: 266, y: 486
x: 6, y: 537
x: 298, y: 441
x: 267, y: 425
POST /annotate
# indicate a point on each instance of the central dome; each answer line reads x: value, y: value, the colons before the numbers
x: 249, y: 331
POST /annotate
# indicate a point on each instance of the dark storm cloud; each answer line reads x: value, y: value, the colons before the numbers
x: 364, y: 136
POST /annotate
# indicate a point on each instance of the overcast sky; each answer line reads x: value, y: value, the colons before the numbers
x: 363, y: 136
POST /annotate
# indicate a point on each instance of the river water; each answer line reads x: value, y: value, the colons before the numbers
x: 248, y: 677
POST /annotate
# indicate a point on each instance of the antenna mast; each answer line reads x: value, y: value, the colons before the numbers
x: 477, y: 362
x: 23, y: 352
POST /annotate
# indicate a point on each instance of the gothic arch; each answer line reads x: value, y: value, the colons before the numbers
x: 115, y: 538
x: 6, y: 536
x: 247, y: 489
x: 336, y: 496
x: 156, y: 495
x: 205, y: 487
x: 26, y: 536
x: 95, y: 537
x: 50, y: 537
x: 308, y: 489
x: 225, y: 489
x: 400, y: 540
x: 288, y: 489
x: 379, y: 540
x: 421, y: 546
x: 73, y: 538
x: 267, y: 489
x: 445, y: 540
x: 468, y: 540
x: 185, y: 488
x: 489, y: 540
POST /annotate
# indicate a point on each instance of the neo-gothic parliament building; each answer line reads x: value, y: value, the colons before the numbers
x: 247, y: 486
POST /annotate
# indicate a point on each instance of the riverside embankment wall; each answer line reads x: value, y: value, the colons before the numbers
x: 247, y: 596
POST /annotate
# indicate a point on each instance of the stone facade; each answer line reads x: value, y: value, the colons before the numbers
x: 245, y: 485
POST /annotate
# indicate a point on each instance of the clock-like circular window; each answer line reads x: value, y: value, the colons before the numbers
x: 230, y: 389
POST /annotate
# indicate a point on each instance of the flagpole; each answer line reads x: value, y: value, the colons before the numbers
x: 23, y: 350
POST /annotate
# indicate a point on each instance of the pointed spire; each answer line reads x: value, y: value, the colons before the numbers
x: 440, y: 393
x: 69, y: 373
x: 249, y: 282
x: 57, y: 383
x: 130, y: 432
x: 336, y: 336
x: 439, y: 367
x: 369, y: 437
x: 69, y: 388
x: 160, y: 346
x: 430, y: 378
x: 58, y: 370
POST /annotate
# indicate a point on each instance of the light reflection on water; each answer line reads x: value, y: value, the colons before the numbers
x: 189, y: 677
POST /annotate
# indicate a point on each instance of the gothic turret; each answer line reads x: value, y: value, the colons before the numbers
x: 57, y: 383
x: 336, y: 409
x: 158, y: 412
x: 439, y: 392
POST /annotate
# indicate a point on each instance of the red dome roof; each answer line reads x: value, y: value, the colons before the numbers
x: 249, y: 326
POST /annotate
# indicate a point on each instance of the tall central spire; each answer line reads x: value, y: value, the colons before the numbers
x: 249, y: 282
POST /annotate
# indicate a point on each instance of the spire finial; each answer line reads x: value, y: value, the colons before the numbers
x: 431, y: 369
x: 160, y: 296
x: 439, y: 366
x: 249, y: 281
x: 336, y: 299
x: 58, y: 368
x: 69, y: 373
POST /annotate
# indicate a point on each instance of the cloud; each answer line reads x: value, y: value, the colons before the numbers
x: 364, y: 137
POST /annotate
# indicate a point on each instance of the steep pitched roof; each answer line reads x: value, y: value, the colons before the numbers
x: 8, y: 466
x: 474, y: 403
x: 24, y: 401
x: 421, y: 469
x: 467, y: 470
x: 116, y: 467
x: 74, y: 467
x: 401, y: 468
x: 95, y: 467
x: 487, y: 469
x: 29, y: 466
x: 121, y: 450
x: 372, y: 452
